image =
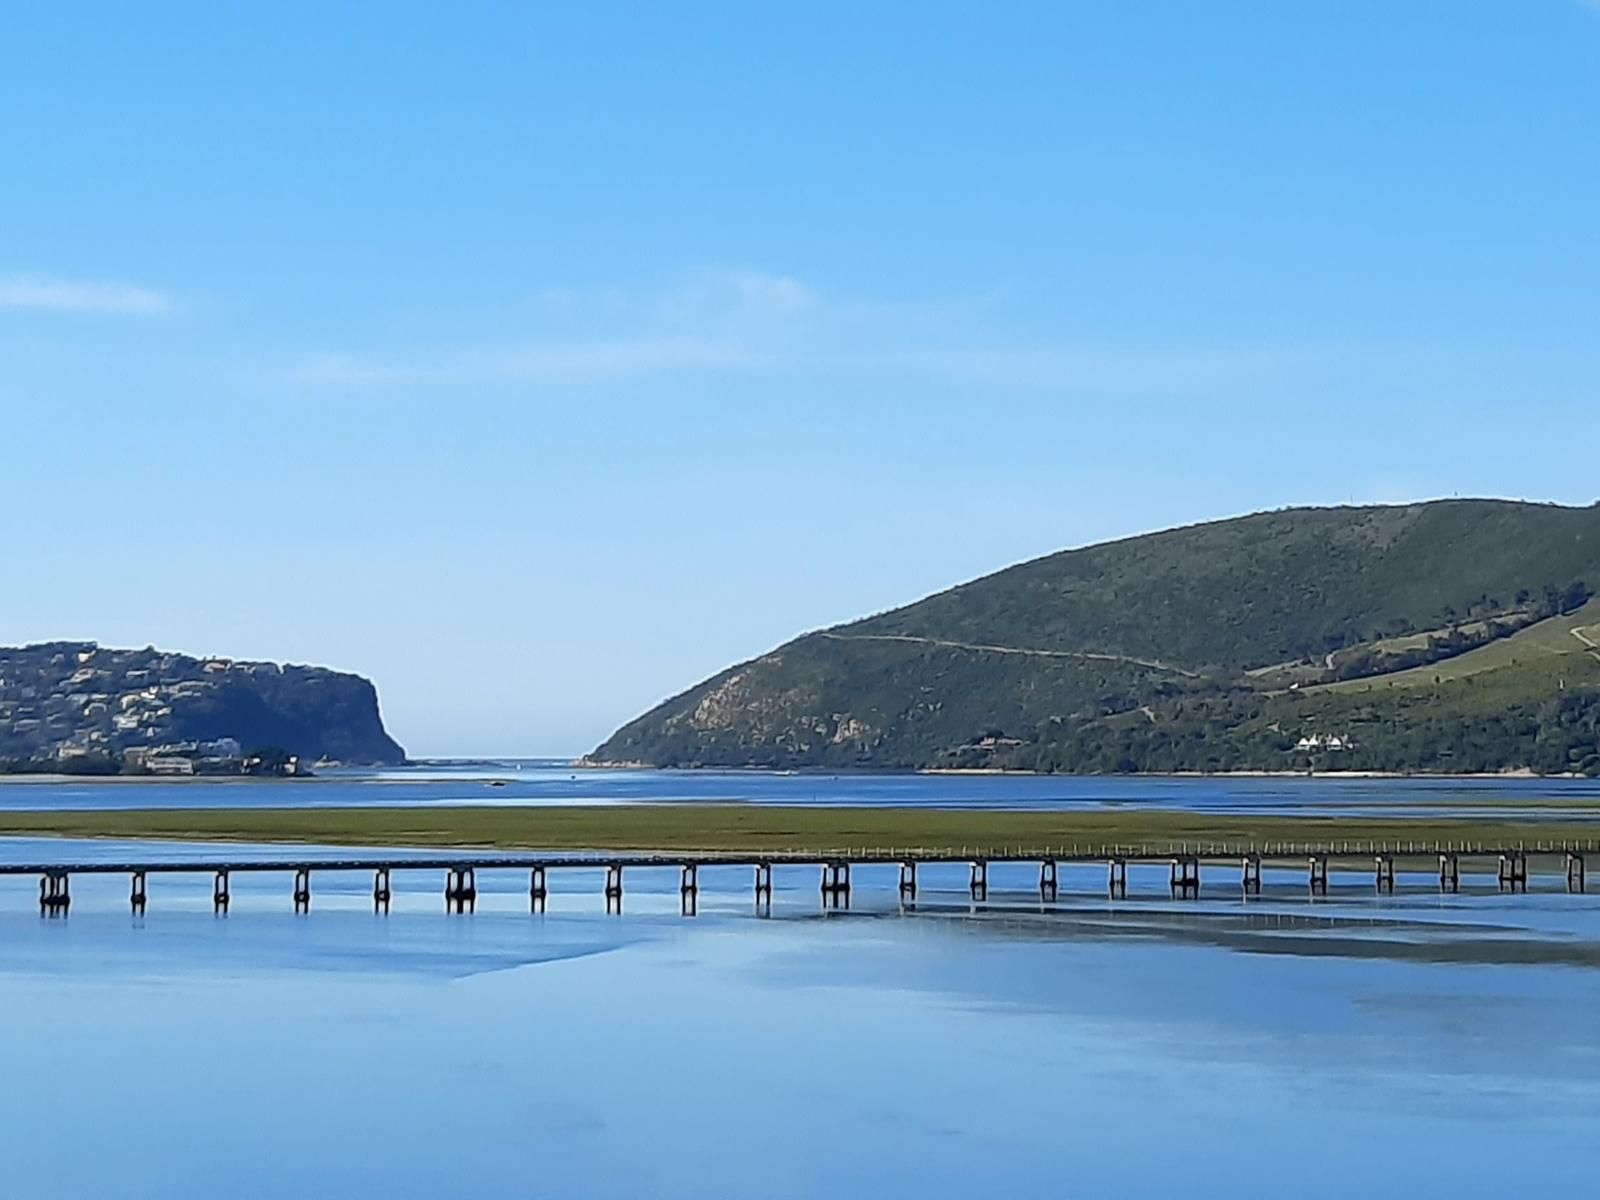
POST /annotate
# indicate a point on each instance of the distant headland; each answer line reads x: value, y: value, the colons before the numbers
x: 84, y: 709
x: 1452, y: 637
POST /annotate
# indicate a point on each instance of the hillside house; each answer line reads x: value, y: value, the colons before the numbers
x: 169, y: 764
x: 1320, y: 741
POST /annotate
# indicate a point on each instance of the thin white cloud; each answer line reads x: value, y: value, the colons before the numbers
x: 711, y: 321
x: 1082, y: 368
x: 737, y: 295
x: 45, y: 293
x: 535, y: 361
x: 733, y: 320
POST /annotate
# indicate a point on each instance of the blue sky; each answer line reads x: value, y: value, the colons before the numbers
x: 538, y: 361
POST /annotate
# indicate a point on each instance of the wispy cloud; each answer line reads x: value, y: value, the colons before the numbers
x: 46, y: 293
x: 712, y: 320
x: 552, y: 361
x: 1103, y: 368
x: 740, y: 294
x: 724, y: 321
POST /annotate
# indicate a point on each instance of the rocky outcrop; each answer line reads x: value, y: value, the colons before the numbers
x: 63, y: 701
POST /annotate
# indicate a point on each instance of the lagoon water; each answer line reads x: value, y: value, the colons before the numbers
x: 548, y: 781
x: 1411, y: 1044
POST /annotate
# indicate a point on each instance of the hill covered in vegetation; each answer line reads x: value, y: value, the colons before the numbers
x: 85, y: 708
x: 1448, y: 636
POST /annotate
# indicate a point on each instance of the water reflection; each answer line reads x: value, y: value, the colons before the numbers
x: 1416, y: 1043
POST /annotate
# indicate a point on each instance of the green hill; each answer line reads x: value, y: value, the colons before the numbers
x: 1216, y: 646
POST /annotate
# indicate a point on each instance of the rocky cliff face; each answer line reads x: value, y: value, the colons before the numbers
x: 65, y: 700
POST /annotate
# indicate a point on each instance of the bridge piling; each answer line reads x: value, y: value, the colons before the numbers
x: 1318, y: 874
x: 1250, y: 873
x: 836, y: 884
x: 1048, y: 881
x: 1117, y: 878
x: 381, y: 891
x: 1575, y: 879
x: 1383, y: 869
x: 1184, y: 876
x: 689, y: 889
x: 908, y: 882
x: 763, y: 889
x: 136, y: 893
x: 1513, y: 875
x: 461, y: 890
x: 302, y: 889
x: 55, y: 894
x: 537, y: 891
x: 1449, y: 873
x: 221, y: 892
x: 979, y: 883
x: 614, y: 888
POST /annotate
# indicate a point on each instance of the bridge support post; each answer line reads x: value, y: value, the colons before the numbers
x: 836, y: 884
x: 1384, y: 872
x: 1514, y: 871
x: 461, y: 890
x: 55, y: 894
x: 1250, y: 872
x: 221, y: 892
x: 136, y: 892
x: 1184, y: 877
x: 1575, y: 880
x: 1047, y: 881
x: 381, y: 891
x: 614, y: 888
x: 1318, y: 876
x: 908, y: 882
x: 1449, y: 873
x: 689, y: 889
x: 763, y: 889
x: 979, y: 885
x: 1117, y: 878
x: 537, y: 891
x: 302, y: 889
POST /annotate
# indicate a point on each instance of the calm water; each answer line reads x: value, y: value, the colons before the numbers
x: 546, y: 782
x: 1417, y: 1043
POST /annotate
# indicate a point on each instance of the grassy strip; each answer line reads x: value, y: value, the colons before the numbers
x: 722, y: 828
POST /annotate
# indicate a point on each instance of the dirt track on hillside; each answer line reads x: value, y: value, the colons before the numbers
x: 1080, y: 655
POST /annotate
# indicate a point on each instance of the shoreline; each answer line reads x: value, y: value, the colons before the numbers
x: 1001, y: 772
x: 1514, y: 773
x: 44, y: 777
x: 38, y: 778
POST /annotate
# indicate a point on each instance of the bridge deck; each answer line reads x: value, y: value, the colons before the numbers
x: 288, y: 860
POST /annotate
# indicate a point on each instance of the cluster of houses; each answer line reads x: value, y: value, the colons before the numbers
x: 1324, y: 741
x: 219, y: 757
x: 77, y: 701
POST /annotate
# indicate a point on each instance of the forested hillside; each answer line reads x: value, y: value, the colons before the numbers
x: 1246, y: 643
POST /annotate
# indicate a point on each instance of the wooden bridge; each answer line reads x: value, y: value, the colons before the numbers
x: 1379, y: 860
